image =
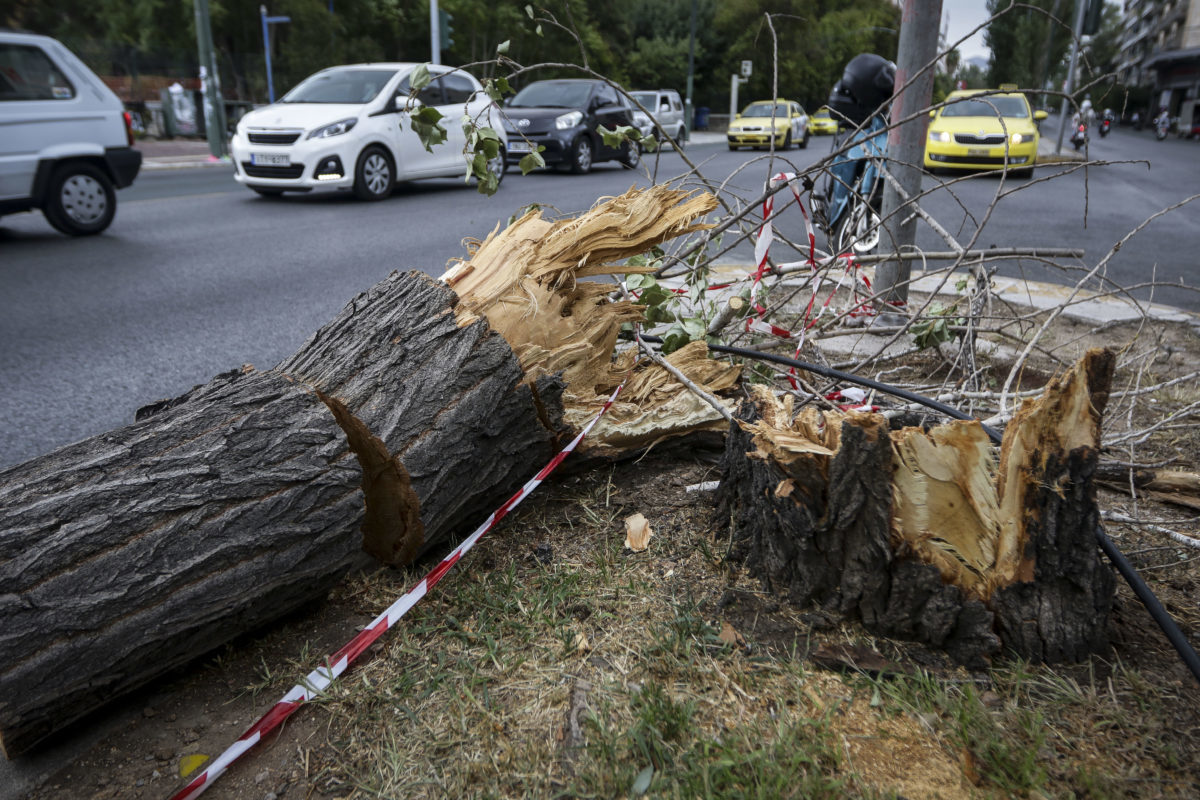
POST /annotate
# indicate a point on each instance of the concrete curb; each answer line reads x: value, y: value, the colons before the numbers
x: 1086, y: 306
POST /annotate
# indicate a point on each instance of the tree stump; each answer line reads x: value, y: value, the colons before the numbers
x: 922, y: 535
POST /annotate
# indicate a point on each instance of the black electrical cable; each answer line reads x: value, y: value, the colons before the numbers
x: 1144, y: 593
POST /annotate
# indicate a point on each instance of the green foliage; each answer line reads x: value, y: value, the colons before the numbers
x: 1028, y: 44
x: 687, y: 313
x: 935, y: 327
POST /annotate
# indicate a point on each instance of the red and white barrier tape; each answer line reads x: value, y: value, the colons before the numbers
x: 319, y: 679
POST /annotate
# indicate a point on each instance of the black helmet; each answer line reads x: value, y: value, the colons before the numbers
x: 866, y: 84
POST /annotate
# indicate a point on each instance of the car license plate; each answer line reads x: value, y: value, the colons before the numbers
x: 271, y: 160
x: 978, y: 151
x: 520, y: 147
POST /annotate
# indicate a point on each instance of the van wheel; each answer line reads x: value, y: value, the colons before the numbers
x: 374, y: 176
x: 80, y: 200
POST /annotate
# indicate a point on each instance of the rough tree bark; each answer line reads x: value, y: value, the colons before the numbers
x: 921, y: 535
x: 396, y: 427
x: 130, y: 553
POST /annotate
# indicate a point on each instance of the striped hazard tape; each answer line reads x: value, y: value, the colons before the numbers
x: 319, y: 679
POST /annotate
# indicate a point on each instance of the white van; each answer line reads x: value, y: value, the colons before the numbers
x: 667, y: 111
x: 66, y: 142
x: 348, y: 129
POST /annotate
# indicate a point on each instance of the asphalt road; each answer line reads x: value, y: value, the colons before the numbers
x: 198, y: 275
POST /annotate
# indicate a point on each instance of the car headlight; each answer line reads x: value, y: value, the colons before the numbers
x: 939, y: 136
x: 333, y: 129
x: 1020, y: 138
x: 568, y: 120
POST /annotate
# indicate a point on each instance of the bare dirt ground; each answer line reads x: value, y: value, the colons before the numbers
x: 554, y: 662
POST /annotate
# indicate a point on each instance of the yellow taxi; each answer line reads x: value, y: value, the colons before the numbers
x: 753, y: 127
x: 979, y: 129
x: 821, y: 122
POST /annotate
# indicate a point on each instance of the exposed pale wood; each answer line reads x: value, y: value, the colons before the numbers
x: 926, y: 535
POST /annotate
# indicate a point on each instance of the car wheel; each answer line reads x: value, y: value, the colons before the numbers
x: 581, y: 156
x: 267, y: 192
x: 787, y: 140
x: 374, y: 176
x: 804, y: 141
x: 733, y: 147
x: 679, y: 137
x: 80, y: 200
x: 1022, y: 174
x: 631, y: 155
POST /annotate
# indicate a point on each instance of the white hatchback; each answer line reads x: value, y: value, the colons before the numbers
x: 349, y: 128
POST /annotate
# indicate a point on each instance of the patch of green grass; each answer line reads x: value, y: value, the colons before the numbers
x: 1005, y: 745
x: 657, y: 732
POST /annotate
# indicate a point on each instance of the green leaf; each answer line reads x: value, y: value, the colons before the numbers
x: 641, y: 784
x: 420, y: 77
x: 960, y: 285
x: 426, y: 123
x: 538, y: 30
x: 529, y: 11
x: 636, y: 280
x: 531, y: 162
x: 502, y: 48
x: 695, y: 328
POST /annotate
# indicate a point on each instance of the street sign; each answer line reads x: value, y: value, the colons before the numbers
x: 747, y: 66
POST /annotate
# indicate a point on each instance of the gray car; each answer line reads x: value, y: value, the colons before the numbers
x: 666, y: 109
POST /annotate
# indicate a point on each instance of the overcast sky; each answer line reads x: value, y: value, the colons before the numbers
x: 963, y: 16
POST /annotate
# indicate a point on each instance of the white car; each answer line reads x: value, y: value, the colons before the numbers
x: 66, y: 143
x: 348, y: 128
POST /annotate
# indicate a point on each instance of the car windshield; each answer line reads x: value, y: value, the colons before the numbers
x: 764, y: 110
x: 823, y: 113
x: 556, y: 95
x: 340, y: 86
x: 648, y: 99
x: 988, y: 107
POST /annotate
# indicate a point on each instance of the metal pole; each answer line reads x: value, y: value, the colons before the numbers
x: 1081, y: 9
x: 916, y: 50
x: 688, y: 107
x: 214, y: 111
x: 733, y: 95
x: 435, y: 34
x: 262, y: 12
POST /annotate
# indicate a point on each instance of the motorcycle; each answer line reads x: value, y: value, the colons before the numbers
x: 1105, y: 125
x: 1161, y: 126
x: 1079, y: 137
x: 848, y: 210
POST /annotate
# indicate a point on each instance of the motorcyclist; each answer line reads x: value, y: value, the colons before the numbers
x: 1086, y: 112
x: 859, y: 99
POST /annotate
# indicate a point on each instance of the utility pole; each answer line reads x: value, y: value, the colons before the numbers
x: 435, y: 34
x: 688, y: 107
x: 1081, y: 9
x: 210, y: 82
x: 917, y: 50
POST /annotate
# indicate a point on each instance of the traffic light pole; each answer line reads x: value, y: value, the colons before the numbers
x: 916, y: 51
x: 1070, y: 86
x: 435, y: 33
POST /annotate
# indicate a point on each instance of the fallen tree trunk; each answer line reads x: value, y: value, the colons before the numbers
x: 398, y: 426
x: 923, y: 535
x: 130, y: 553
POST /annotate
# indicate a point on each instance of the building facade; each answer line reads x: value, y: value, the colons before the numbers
x: 1160, y: 50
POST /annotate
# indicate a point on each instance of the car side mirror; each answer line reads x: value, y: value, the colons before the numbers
x: 665, y: 107
x: 933, y: 113
x: 1039, y: 115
